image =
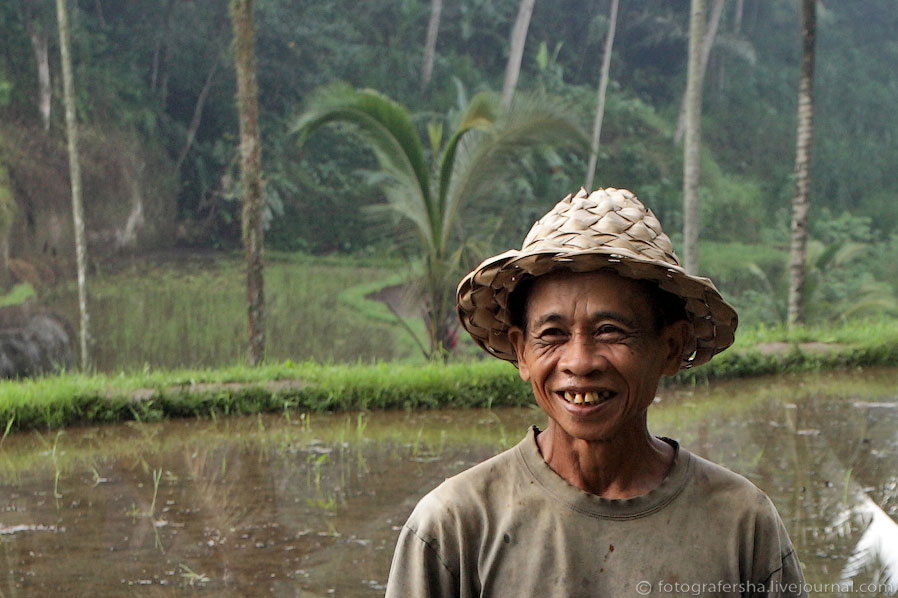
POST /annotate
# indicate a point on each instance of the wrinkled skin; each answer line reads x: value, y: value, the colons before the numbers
x: 593, y: 335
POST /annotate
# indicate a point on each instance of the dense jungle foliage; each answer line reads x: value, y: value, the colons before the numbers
x: 154, y: 68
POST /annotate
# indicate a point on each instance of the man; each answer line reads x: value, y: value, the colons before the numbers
x: 593, y: 310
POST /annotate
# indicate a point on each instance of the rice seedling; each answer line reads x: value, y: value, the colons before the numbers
x: 157, y: 477
x: 198, y: 315
x: 192, y: 577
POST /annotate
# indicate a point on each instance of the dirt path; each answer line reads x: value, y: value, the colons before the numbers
x: 780, y: 348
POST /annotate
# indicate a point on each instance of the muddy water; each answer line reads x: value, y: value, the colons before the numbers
x: 296, y: 505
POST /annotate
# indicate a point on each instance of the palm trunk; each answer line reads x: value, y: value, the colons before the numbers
x: 7, y: 216
x: 801, y: 203
x: 100, y: 17
x: 430, y: 45
x: 737, y: 29
x: 600, y: 102
x: 516, y: 51
x: 40, y: 45
x: 251, y: 176
x: 68, y: 87
x: 197, y: 116
x: 161, y: 44
x: 440, y: 303
x: 707, y: 44
x: 691, y: 150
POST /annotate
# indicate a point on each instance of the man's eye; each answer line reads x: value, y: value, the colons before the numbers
x: 609, y: 330
x: 551, y: 334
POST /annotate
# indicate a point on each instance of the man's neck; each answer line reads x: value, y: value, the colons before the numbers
x: 631, y: 464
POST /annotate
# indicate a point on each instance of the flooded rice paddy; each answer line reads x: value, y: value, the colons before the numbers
x: 310, y: 505
x: 197, y: 304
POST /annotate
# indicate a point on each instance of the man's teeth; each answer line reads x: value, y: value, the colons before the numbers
x: 586, y: 397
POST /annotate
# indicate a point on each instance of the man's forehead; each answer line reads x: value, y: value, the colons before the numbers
x: 608, y: 280
x: 597, y: 289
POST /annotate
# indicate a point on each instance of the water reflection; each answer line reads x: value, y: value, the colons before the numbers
x: 298, y: 505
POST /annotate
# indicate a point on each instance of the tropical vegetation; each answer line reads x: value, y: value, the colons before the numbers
x: 154, y: 94
x: 285, y: 387
x: 431, y: 186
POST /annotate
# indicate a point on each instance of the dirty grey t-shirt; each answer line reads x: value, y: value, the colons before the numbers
x: 511, y: 527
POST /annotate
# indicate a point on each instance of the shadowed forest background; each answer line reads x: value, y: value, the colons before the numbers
x: 155, y: 87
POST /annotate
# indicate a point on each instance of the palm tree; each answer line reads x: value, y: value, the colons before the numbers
x: 692, y: 145
x: 801, y: 203
x: 516, y: 50
x: 250, y: 172
x: 431, y: 193
x: 7, y: 216
x: 68, y: 88
x: 430, y: 44
x: 600, y: 97
x: 706, y: 46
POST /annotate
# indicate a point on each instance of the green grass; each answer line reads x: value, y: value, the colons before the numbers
x: 68, y: 399
x: 330, y: 348
x: 852, y: 344
x: 414, y: 334
x: 170, y: 315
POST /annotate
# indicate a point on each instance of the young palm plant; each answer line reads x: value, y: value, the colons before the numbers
x: 431, y: 191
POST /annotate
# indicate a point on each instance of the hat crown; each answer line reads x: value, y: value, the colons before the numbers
x: 609, y: 220
x: 585, y: 232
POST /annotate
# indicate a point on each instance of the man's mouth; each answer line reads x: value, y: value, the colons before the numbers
x: 590, y: 397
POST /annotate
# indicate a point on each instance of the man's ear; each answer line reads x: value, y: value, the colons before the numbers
x: 516, y: 337
x: 675, y: 336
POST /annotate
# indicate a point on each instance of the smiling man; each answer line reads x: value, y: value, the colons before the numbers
x: 594, y: 310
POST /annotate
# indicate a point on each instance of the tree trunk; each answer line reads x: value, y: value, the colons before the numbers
x: 430, y: 45
x: 600, y: 102
x: 251, y: 175
x: 100, y: 17
x: 692, y: 147
x: 197, y: 115
x: 737, y: 18
x: 7, y: 216
x: 40, y: 42
x: 161, y: 44
x: 40, y: 45
x: 801, y: 202
x: 737, y: 29
x: 516, y: 51
x: 71, y: 123
x: 707, y: 44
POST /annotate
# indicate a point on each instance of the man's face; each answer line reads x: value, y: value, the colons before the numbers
x: 592, y: 354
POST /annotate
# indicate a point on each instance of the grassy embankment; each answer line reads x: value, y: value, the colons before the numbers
x: 152, y: 393
x: 73, y: 398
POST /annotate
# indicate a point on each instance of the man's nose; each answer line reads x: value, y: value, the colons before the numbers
x: 582, y: 356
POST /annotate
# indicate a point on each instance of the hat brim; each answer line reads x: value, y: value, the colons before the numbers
x: 483, y: 296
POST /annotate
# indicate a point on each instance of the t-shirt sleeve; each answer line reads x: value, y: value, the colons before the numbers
x: 418, y: 571
x: 786, y: 580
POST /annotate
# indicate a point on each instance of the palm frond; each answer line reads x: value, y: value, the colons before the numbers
x: 848, y: 253
x: 480, y: 114
x: 484, y: 158
x: 482, y: 110
x: 388, y: 130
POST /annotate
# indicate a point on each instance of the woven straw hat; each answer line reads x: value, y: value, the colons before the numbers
x: 608, y: 228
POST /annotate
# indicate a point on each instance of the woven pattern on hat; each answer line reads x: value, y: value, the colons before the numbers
x: 608, y: 228
x: 611, y: 219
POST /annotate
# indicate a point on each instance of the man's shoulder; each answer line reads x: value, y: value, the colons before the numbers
x: 478, y: 479
x: 717, y: 482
